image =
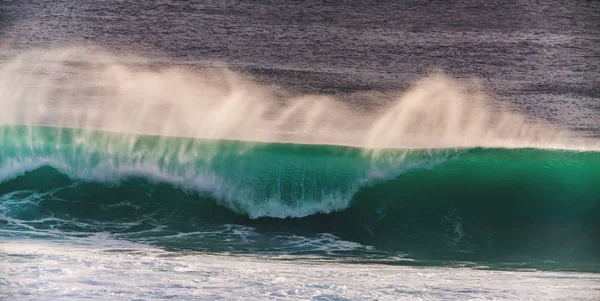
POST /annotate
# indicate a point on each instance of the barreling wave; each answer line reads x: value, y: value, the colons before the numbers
x: 257, y: 179
x: 90, y: 144
x: 461, y: 200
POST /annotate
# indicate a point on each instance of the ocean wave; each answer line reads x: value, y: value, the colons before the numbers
x: 470, y: 202
x: 258, y: 179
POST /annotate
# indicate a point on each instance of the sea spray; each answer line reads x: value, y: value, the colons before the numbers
x: 83, y: 87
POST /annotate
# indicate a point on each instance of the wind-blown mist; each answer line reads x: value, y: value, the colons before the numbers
x: 89, y: 88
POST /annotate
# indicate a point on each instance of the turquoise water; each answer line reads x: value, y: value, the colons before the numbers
x: 503, y: 208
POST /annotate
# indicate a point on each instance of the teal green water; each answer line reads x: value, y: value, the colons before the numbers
x: 511, y: 206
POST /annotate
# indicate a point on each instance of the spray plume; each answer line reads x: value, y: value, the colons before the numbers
x: 92, y: 89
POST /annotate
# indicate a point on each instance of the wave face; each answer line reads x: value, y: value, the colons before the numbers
x: 465, y: 204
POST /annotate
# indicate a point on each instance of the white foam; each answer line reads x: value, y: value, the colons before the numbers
x: 103, y: 269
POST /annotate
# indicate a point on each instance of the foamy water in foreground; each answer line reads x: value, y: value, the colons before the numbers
x: 100, y: 268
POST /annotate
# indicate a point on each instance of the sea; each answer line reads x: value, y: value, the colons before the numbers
x: 299, y: 150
